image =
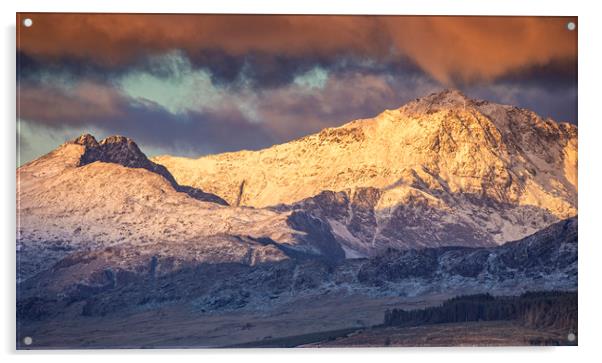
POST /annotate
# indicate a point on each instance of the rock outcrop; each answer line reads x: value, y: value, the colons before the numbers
x: 124, y: 151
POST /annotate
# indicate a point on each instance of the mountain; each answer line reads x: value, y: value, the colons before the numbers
x: 441, y: 170
x: 123, y: 279
x: 92, y: 196
x: 407, y: 209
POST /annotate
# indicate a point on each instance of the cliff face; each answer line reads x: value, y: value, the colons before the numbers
x: 443, y: 169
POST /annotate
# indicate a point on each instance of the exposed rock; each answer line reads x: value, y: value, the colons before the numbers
x: 124, y: 151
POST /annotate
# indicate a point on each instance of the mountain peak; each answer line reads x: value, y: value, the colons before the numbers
x: 444, y: 152
x: 117, y: 139
x: 447, y: 95
x: 446, y: 99
x: 86, y: 140
x: 124, y: 151
x: 113, y: 149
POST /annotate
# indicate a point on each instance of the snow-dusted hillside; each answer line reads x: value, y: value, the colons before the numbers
x: 69, y: 201
x: 441, y: 170
x: 103, y: 284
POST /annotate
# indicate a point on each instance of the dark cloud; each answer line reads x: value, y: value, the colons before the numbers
x: 85, y: 101
x: 101, y: 107
x: 553, y: 75
x: 447, y: 48
x: 70, y: 67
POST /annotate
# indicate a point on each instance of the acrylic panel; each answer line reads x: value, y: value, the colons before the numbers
x: 201, y: 181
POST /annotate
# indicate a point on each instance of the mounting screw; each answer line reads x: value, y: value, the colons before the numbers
x: 571, y: 26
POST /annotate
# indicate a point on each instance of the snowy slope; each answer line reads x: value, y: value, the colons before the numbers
x: 68, y: 203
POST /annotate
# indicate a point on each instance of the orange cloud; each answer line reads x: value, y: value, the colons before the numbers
x: 473, y: 48
x: 448, y: 48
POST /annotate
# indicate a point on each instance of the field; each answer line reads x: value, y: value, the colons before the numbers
x: 181, y: 326
x: 491, y: 333
x: 329, y: 321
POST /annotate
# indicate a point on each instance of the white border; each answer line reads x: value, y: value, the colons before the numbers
x: 590, y: 137
x: 423, y: 7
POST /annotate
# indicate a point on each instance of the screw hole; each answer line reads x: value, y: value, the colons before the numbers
x: 571, y: 26
x: 27, y: 22
x: 27, y: 340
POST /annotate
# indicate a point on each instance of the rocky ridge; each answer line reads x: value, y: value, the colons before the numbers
x: 124, y: 151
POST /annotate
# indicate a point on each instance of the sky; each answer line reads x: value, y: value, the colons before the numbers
x: 193, y: 85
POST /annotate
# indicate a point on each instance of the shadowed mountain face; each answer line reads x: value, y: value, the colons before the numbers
x: 123, y: 279
x: 441, y: 170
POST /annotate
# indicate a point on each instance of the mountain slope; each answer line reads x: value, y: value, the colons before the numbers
x: 89, y: 196
x: 546, y: 260
x: 441, y: 170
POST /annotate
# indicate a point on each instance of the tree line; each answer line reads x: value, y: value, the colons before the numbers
x: 549, y: 309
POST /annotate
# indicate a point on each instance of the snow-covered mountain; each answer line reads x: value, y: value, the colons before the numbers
x: 441, y: 170
x: 90, y: 196
x: 422, y: 196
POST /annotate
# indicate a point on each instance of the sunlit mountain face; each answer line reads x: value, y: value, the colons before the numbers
x: 285, y: 181
x: 179, y: 84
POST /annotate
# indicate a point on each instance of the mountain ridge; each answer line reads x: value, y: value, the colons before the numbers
x: 124, y: 151
x: 449, y: 152
x: 421, y: 191
x: 445, y: 196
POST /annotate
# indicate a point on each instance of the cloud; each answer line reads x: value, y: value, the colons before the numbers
x: 104, y: 110
x: 296, y: 111
x: 193, y: 85
x: 469, y: 49
x: 177, y: 88
x: 449, y: 49
x: 83, y: 101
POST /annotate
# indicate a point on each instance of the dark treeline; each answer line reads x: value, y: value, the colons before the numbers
x: 552, y: 309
